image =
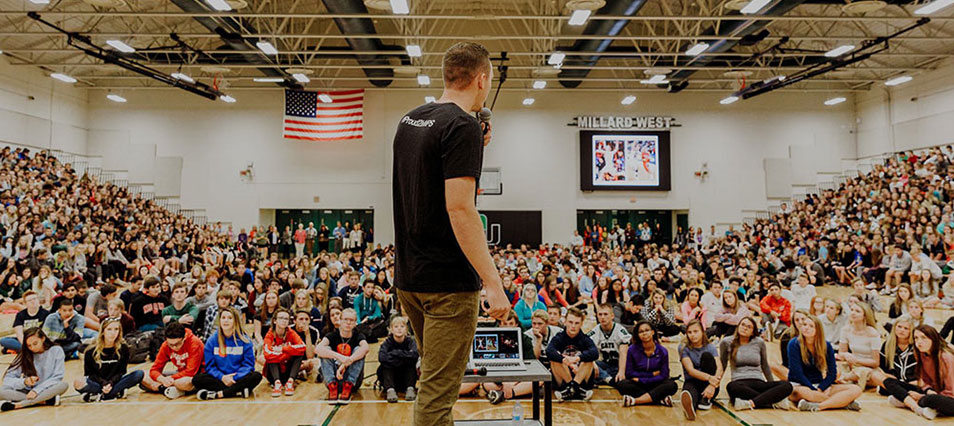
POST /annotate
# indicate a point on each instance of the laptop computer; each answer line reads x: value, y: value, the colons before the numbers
x: 497, y: 349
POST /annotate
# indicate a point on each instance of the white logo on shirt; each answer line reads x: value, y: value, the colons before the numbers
x: 417, y: 123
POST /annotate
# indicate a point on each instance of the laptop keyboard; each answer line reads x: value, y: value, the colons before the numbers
x: 497, y: 364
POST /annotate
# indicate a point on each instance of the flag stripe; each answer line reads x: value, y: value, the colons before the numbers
x: 306, y: 138
x: 355, y: 99
x: 307, y: 130
x: 318, y: 123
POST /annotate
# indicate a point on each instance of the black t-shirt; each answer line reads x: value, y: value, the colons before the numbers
x: 344, y: 346
x: 28, y: 321
x: 434, y: 142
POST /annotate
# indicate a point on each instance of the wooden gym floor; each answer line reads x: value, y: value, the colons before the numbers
x: 308, y: 407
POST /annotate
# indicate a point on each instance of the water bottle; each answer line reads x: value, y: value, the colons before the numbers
x: 517, y: 414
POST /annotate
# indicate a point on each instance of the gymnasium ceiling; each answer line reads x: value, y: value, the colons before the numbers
x: 329, y: 37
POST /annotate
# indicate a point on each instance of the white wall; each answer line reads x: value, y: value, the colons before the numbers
x: 914, y: 115
x: 38, y: 111
x: 537, y: 152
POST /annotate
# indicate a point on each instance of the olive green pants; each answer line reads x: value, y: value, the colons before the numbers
x: 444, y: 326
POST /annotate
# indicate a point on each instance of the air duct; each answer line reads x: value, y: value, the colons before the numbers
x: 595, y: 27
x: 380, y: 77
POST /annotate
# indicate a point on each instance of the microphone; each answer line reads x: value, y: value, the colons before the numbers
x: 484, y: 117
x: 482, y: 371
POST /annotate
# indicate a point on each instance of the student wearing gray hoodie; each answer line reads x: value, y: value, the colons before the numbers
x: 36, y: 374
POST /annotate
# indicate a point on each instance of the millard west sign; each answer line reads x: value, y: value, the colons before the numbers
x: 616, y: 122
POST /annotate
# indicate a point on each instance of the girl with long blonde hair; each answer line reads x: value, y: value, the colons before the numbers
x: 105, y: 365
x: 812, y: 368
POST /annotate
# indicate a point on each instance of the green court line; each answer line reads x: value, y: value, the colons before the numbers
x: 731, y: 414
x: 330, y: 415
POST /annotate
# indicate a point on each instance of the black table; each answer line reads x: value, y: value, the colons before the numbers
x: 534, y: 373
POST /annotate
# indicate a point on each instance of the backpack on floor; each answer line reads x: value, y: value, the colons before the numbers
x: 155, y: 342
x: 138, y: 346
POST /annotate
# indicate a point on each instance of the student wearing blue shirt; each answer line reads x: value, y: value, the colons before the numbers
x: 808, y: 356
x: 527, y: 305
x: 365, y: 306
x: 229, y: 361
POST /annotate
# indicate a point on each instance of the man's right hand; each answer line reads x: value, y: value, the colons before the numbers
x: 497, y: 299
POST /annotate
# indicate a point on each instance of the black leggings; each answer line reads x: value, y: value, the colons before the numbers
x: 721, y: 329
x: 667, y: 330
x: 707, y: 364
x: 399, y: 378
x: 208, y: 382
x: 763, y: 394
x: 656, y: 391
x: 274, y: 371
x: 898, y: 389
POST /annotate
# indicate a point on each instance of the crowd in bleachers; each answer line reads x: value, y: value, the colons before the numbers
x: 98, y: 274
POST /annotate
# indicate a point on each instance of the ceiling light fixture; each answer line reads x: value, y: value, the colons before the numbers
x: 227, y: 99
x: 301, y: 78
x: 220, y: 5
x: 556, y: 58
x: 835, y: 101
x: 628, y: 100
x: 898, y: 80
x: 325, y: 98
x: 754, y: 6
x: 539, y: 84
x: 430, y: 99
x: 63, y: 77
x: 840, y: 50
x: 266, y: 48
x: 932, y: 7
x: 116, y: 98
x: 729, y: 100
x: 424, y: 80
x: 697, y: 49
x: 120, y: 46
x: 414, y: 51
x: 400, y: 7
x: 183, y: 77
x: 268, y: 79
x: 579, y: 16
x: 528, y: 101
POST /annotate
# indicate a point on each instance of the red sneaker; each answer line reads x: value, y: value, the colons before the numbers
x: 277, y: 389
x: 290, y: 388
x: 332, y: 391
x: 345, y: 396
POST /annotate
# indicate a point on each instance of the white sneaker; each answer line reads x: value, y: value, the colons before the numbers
x: 784, y: 404
x: 894, y: 402
x: 685, y: 402
x: 743, y: 404
x: 172, y: 392
x: 628, y: 401
x: 928, y: 413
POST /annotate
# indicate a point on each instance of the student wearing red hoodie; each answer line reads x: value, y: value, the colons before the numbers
x: 185, y: 351
x: 284, y: 352
x: 776, y: 308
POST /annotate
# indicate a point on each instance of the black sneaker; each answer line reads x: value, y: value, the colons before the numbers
x: 495, y: 397
x: 7, y: 406
x: 53, y: 402
x: 705, y: 404
x: 205, y: 395
x: 92, y: 397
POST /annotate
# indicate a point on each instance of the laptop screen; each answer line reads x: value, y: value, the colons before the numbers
x: 496, y: 344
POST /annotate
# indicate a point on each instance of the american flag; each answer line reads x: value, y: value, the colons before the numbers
x: 308, y: 118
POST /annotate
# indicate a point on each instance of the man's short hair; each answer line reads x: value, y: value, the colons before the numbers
x: 150, y: 281
x: 463, y: 62
x: 575, y: 312
x: 59, y: 301
x: 107, y: 289
x: 174, y: 330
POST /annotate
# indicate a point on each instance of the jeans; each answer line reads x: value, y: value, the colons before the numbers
x: 10, y: 343
x: 443, y: 326
x: 329, y: 368
x: 607, y: 370
x: 129, y: 380
x: 89, y: 334
x: 210, y: 383
x: 149, y: 327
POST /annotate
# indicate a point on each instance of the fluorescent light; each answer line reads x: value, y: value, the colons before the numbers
x: 556, y: 58
x: 656, y: 79
x: 181, y: 76
x: 414, y: 51
x: 40, y: 1
x: 697, y: 49
x: 539, y: 84
x: 835, y: 101
x: 932, y: 7
x: 898, y: 80
x: 840, y: 50
x: 116, y: 98
x: 266, y: 48
x: 528, y: 101
x: 399, y: 7
x: 301, y: 78
x: 754, y: 6
x: 227, y: 99
x: 579, y: 16
x: 424, y: 80
x: 628, y: 100
x: 268, y: 79
x: 63, y: 77
x: 729, y: 100
x: 430, y: 99
x: 220, y: 5
x: 324, y: 98
x: 120, y: 46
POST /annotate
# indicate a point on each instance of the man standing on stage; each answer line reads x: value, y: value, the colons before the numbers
x: 441, y: 249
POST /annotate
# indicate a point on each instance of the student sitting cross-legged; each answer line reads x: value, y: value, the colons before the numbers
x: 36, y: 375
x: 572, y: 359
x: 342, y: 355
x: 104, y: 366
x: 811, y: 366
x: 647, y: 370
x: 284, y: 352
x: 185, y: 352
x: 229, y: 361
x: 398, y: 357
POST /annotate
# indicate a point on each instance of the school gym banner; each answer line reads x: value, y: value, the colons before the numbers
x: 515, y: 227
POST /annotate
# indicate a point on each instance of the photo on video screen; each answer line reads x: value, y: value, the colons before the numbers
x: 625, y: 160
